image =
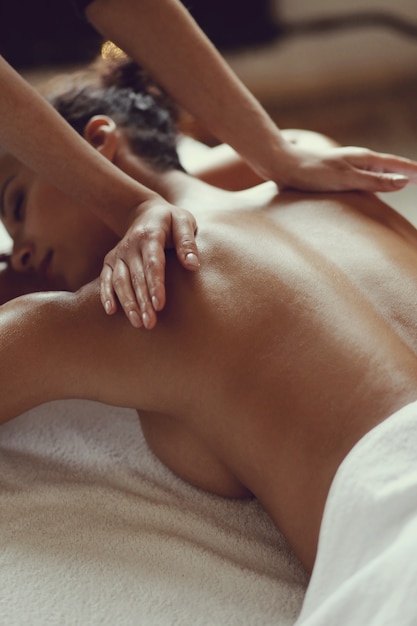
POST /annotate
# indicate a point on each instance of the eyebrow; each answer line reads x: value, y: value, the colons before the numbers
x: 3, y: 191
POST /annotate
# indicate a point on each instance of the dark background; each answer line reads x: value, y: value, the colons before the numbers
x: 35, y: 33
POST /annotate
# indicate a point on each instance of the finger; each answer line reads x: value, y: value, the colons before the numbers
x: 153, y: 258
x: 399, y: 165
x: 379, y: 181
x: 107, y: 297
x: 184, y: 228
x: 141, y: 293
x: 123, y: 288
x: 148, y: 271
x: 384, y: 163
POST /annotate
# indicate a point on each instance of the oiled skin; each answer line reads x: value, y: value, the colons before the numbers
x: 296, y: 337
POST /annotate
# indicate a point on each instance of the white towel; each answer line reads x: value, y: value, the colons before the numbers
x: 94, y: 530
x: 366, y: 570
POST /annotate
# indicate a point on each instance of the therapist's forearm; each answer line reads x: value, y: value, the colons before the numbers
x: 162, y: 36
x: 35, y: 133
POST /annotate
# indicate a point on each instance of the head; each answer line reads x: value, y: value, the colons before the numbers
x: 51, y: 233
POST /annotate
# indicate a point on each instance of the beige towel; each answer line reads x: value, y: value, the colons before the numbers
x: 96, y: 531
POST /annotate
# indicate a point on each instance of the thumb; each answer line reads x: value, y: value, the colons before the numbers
x: 183, y: 234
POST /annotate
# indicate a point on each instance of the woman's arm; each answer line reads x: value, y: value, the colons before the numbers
x: 163, y: 37
x: 60, y: 345
x: 34, y: 132
x: 223, y: 167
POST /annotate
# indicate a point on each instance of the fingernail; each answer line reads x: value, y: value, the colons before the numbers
x: 146, y: 319
x: 107, y: 307
x: 191, y: 259
x: 135, y: 319
x: 155, y: 303
x: 399, y: 180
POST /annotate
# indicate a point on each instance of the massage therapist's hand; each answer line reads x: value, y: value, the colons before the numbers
x: 347, y: 168
x: 134, y: 271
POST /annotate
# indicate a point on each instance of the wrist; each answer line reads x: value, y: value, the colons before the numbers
x: 151, y: 202
x: 280, y: 168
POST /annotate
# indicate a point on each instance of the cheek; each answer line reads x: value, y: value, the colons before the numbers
x: 88, y: 239
x: 71, y: 229
x: 64, y: 222
x: 101, y: 240
x: 47, y: 209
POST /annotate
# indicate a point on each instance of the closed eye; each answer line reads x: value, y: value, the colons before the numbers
x: 18, y: 208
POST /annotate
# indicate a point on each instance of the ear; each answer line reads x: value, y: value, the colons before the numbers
x: 101, y: 132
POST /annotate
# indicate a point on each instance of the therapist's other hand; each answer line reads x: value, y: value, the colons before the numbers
x: 134, y: 271
x: 347, y: 169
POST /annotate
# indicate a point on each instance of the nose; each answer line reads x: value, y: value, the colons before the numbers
x: 22, y: 258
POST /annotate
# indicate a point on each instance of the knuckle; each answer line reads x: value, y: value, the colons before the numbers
x: 152, y: 263
x: 143, y: 233
x: 188, y: 243
x: 118, y: 282
x: 124, y: 247
x: 128, y: 304
x: 137, y: 279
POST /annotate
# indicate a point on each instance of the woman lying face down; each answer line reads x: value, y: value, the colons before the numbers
x: 295, y: 338
x: 53, y: 235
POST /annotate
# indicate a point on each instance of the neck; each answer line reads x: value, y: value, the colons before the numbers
x: 175, y: 186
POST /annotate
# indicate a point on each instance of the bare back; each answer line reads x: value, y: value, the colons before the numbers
x: 296, y: 337
x: 299, y: 329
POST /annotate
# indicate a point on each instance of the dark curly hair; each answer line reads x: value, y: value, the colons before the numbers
x: 122, y: 90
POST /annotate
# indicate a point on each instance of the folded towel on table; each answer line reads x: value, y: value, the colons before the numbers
x: 95, y: 530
